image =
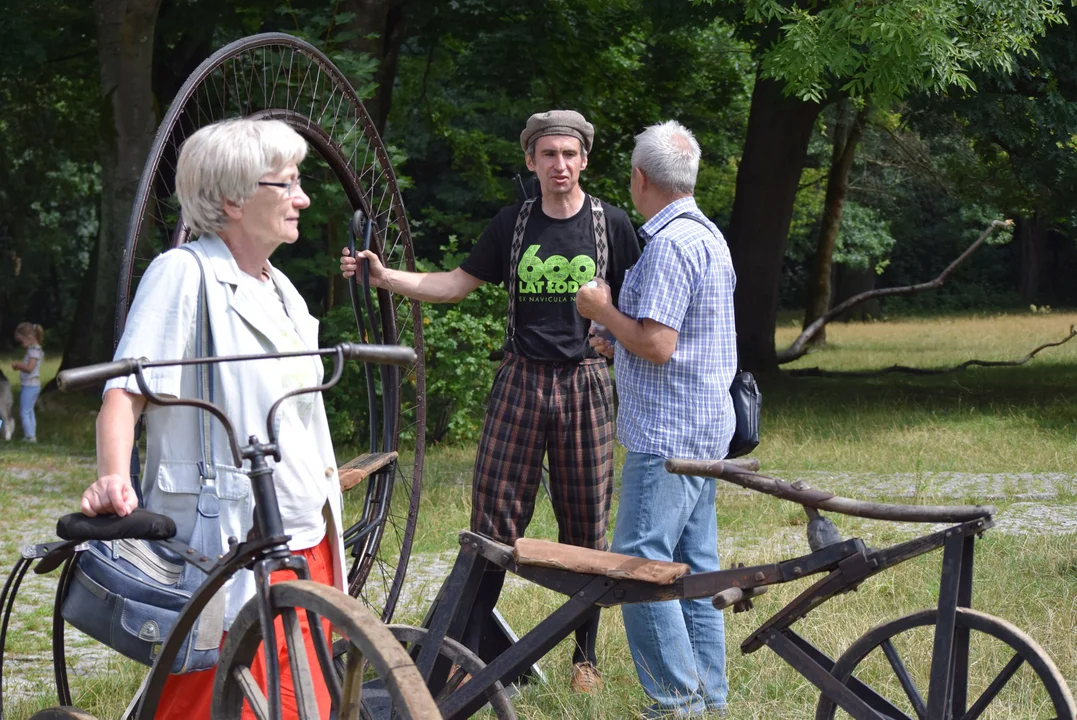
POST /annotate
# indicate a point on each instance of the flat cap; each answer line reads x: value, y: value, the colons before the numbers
x: 558, y: 122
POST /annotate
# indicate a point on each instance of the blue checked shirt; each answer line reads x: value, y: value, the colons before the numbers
x: 684, y: 280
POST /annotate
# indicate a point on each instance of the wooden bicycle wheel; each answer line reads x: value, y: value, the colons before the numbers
x: 62, y: 713
x: 371, y: 650
x: 277, y: 76
x: 465, y: 662
x: 997, y: 671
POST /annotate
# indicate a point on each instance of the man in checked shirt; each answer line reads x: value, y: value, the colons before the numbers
x: 675, y: 356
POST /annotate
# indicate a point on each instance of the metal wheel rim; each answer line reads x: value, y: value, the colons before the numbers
x: 1027, y: 648
x: 369, y: 183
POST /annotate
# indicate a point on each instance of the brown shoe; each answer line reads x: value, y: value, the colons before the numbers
x: 585, y: 678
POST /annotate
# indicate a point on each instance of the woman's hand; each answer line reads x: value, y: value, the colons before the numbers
x: 111, y: 494
x: 348, y: 266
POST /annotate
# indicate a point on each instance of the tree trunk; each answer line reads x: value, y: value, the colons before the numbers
x: 128, y: 121
x: 1031, y: 234
x: 847, y: 131
x: 849, y: 282
x: 380, y: 30
x: 775, y: 148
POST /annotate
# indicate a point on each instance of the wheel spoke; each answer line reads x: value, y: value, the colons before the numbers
x: 325, y: 657
x: 994, y: 688
x: 302, y: 683
x: 1046, y: 687
x: 367, y: 649
x: 905, y: 679
x: 353, y: 685
x: 251, y: 692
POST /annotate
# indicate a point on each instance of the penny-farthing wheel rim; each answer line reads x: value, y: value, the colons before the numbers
x: 278, y: 76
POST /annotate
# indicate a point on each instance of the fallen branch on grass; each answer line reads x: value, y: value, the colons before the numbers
x: 818, y: 372
x: 800, y: 345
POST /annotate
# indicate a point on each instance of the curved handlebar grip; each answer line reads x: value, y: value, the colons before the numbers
x: 356, y: 228
x: 379, y: 354
x: 711, y: 468
x: 78, y: 378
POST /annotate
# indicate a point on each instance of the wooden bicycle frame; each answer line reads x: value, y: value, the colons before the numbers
x: 844, y: 567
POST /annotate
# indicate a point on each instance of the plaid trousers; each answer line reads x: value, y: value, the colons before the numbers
x: 565, y: 410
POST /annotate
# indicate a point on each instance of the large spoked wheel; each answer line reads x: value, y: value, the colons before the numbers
x: 370, y: 649
x: 464, y: 662
x: 281, y: 77
x: 997, y: 672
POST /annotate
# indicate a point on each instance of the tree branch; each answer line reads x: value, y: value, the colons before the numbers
x: 817, y: 372
x: 800, y: 345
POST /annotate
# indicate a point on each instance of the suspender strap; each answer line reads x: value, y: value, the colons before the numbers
x: 204, y: 348
x: 602, y: 245
x: 514, y: 260
x: 602, y: 253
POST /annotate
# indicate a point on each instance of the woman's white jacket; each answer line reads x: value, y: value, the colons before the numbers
x: 161, y: 325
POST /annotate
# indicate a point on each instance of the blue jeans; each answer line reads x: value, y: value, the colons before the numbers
x: 27, y: 399
x: 678, y: 645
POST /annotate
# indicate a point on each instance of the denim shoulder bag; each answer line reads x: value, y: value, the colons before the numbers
x: 128, y: 593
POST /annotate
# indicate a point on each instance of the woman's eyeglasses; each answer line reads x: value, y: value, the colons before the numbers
x: 290, y: 187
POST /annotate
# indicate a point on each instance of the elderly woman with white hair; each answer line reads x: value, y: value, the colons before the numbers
x: 239, y: 188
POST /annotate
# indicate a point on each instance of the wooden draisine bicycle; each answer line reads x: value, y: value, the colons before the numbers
x: 978, y: 666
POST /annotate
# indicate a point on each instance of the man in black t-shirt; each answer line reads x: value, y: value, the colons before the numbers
x: 552, y: 393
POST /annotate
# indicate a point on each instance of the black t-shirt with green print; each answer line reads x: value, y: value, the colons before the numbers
x: 557, y: 257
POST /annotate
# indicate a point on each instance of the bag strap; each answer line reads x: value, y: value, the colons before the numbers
x: 602, y: 254
x: 203, y: 347
x: 687, y: 216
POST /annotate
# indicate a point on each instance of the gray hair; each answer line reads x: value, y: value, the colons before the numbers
x: 223, y: 162
x: 668, y: 155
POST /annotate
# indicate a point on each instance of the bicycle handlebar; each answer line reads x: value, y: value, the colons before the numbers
x: 379, y: 354
x: 81, y: 377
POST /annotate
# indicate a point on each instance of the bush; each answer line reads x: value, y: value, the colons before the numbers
x: 458, y: 340
x: 459, y: 372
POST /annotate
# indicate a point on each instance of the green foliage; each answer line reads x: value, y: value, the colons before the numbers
x: 327, y: 28
x: 1015, y: 141
x: 472, y: 76
x: 345, y: 405
x: 937, y: 232
x: 884, y: 51
x: 459, y: 340
x: 864, y: 239
x: 49, y: 186
x: 992, y: 136
x: 459, y: 372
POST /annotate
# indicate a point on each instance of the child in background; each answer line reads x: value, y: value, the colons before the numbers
x: 30, y: 336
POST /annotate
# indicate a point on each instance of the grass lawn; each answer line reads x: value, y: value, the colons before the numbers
x: 1003, y: 436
